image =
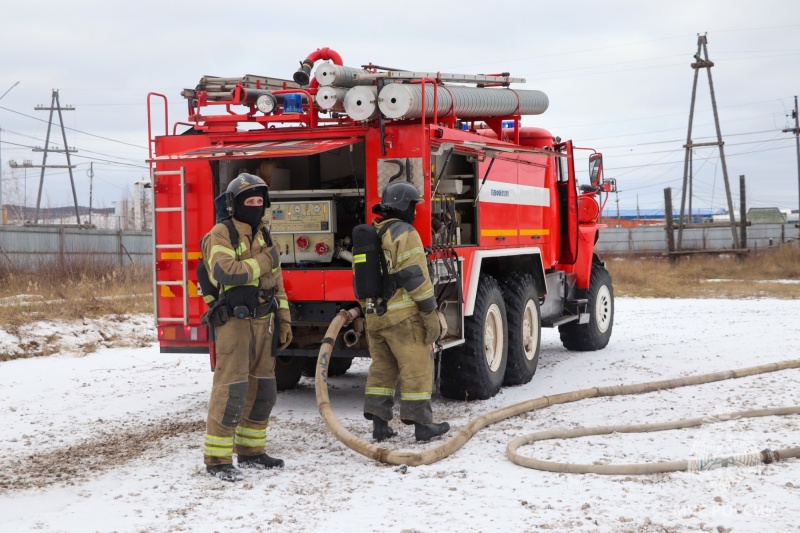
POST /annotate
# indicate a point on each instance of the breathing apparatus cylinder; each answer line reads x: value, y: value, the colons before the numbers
x: 367, y: 277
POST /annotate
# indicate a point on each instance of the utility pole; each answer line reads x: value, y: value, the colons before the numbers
x: 618, y: 222
x: 55, y: 105
x: 691, y: 179
x: 704, y: 62
x: 2, y: 219
x: 90, y: 173
x: 796, y: 131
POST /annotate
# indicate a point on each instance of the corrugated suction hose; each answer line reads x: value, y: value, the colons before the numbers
x: 451, y: 445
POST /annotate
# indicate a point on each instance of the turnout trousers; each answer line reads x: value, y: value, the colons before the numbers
x: 400, y: 352
x: 244, y: 391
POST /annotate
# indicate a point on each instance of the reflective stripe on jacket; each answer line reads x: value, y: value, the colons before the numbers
x: 408, y: 265
x: 252, y: 263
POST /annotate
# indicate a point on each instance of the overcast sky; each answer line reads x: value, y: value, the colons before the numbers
x: 617, y: 74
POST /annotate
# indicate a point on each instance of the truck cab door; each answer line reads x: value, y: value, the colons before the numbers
x: 568, y: 205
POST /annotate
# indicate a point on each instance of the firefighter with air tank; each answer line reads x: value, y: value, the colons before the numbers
x: 402, y: 321
x: 248, y: 276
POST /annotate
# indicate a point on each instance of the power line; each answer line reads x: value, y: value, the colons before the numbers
x: 82, y: 149
x: 85, y: 157
x: 681, y: 149
x: 673, y: 162
x: 75, y: 130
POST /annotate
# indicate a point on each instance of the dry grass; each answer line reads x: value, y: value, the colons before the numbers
x: 759, y: 274
x: 92, y: 289
x: 73, y: 290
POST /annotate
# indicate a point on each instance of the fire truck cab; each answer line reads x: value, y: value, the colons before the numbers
x: 510, y: 236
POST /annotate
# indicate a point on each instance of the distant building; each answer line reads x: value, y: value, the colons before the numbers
x: 641, y: 217
x: 765, y: 215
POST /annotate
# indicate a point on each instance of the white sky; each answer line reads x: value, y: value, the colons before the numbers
x: 616, y: 72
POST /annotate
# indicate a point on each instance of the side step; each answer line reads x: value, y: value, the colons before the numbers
x: 578, y: 307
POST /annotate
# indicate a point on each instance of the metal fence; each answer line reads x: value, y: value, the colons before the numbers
x: 31, y: 246
x: 653, y: 239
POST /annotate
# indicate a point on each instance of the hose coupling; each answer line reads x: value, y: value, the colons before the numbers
x: 769, y: 457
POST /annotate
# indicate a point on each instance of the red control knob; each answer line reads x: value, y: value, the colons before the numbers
x: 301, y: 242
x: 321, y: 248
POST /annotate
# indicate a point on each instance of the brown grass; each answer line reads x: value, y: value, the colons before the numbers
x: 75, y: 289
x: 757, y: 275
x: 91, y: 288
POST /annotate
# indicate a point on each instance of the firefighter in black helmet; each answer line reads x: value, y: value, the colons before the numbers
x: 400, y: 340
x: 248, y: 274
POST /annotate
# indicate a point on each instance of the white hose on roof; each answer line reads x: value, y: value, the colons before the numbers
x: 403, y: 100
x: 328, y: 73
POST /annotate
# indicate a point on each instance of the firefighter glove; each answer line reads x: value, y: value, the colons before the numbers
x: 284, y: 335
x: 430, y: 321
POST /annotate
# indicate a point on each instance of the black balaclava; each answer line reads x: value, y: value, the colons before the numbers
x: 249, y: 214
x: 406, y: 216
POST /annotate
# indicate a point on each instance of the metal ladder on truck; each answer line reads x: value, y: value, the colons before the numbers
x: 160, y: 187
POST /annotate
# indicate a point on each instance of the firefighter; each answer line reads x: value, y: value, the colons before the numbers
x: 400, y: 339
x: 249, y: 276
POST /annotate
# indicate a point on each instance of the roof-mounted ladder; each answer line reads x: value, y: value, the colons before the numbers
x: 440, y: 76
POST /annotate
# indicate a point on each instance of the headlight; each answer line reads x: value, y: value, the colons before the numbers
x: 266, y: 103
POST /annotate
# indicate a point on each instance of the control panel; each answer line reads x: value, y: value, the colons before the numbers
x: 302, y: 217
x: 303, y: 230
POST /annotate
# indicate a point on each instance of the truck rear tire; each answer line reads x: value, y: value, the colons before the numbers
x: 475, y: 369
x: 594, y: 335
x: 288, y: 371
x: 524, y: 328
x: 337, y: 366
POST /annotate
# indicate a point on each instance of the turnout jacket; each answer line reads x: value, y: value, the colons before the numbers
x: 407, y: 264
x: 252, y: 263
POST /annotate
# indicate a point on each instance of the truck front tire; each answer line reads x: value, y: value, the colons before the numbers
x: 476, y: 369
x: 337, y: 366
x: 288, y: 371
x: 594, y: 335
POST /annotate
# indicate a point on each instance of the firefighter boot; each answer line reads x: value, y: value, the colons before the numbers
x: 424, y: 432
x: 261, y: 462
x: 225, y: 472
x: 380, y: 429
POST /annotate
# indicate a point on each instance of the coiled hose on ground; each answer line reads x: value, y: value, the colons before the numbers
x: 455, y: 442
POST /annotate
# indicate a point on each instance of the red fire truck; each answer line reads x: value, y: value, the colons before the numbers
x: 509, y: 233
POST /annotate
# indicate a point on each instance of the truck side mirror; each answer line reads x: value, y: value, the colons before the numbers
x: 596, y: 169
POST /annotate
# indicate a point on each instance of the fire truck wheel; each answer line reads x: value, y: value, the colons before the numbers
x: 338, y: 366
x: 309, y: 367
x: 475, y: 370
x: 595, y: 334
x: 288, y: 371
x: 524, y: 328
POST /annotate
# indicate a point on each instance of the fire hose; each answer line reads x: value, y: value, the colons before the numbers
x: 458, y: 440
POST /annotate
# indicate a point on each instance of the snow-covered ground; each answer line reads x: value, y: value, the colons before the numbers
x: 111, y: 441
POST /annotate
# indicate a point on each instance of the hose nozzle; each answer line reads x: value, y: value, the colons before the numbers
x: 303, y: 74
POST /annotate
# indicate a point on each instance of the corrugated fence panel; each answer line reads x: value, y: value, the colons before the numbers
x: 645, y: 239
x: 29, y: 247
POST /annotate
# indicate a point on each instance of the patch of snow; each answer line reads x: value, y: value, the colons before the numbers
x: 113, y: 440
